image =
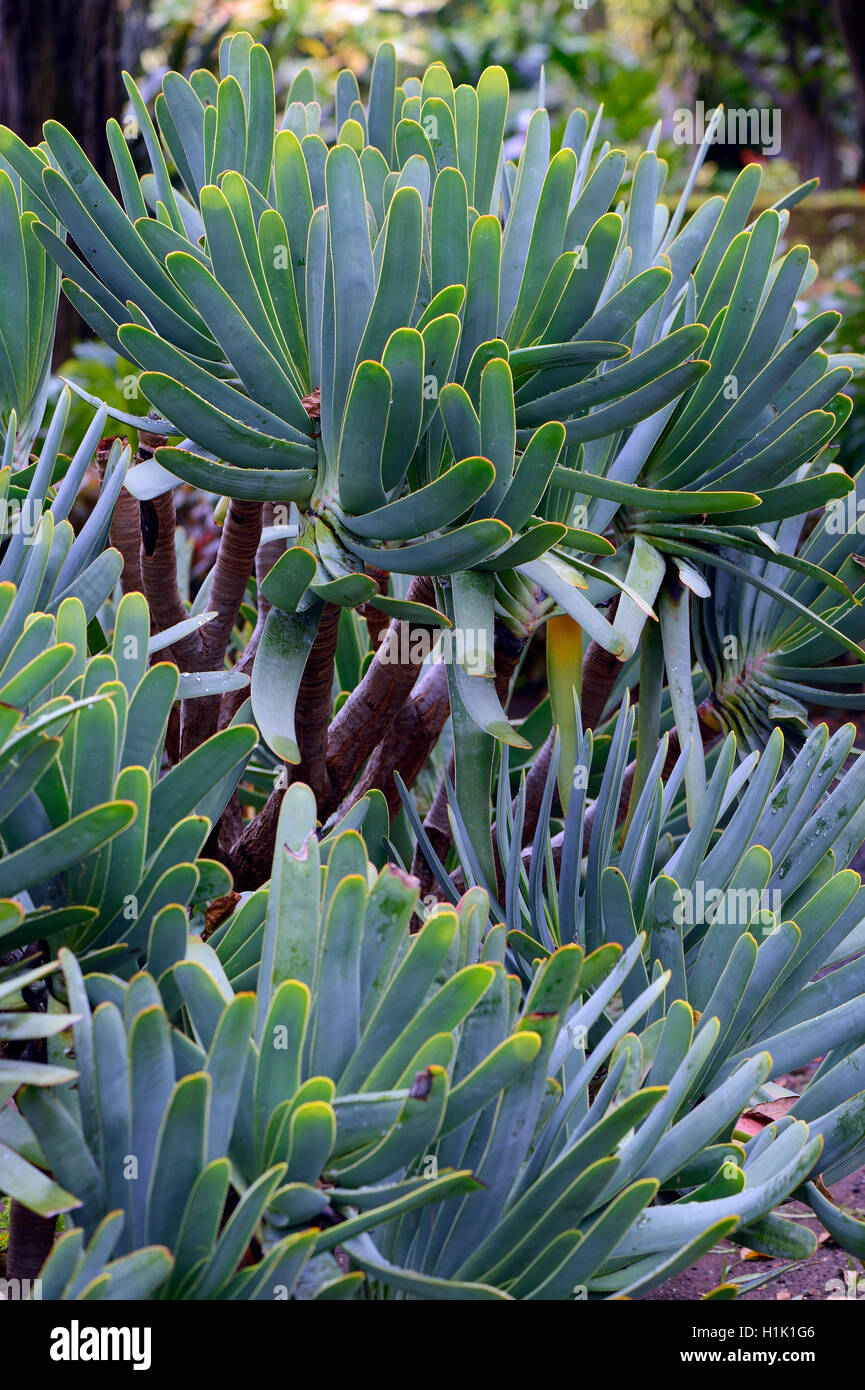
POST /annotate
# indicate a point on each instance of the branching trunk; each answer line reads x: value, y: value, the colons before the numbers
x: 235, y: 558
x: 30, y: 1240
x: 313, y: 709
x: 378, y: 699
x: 125, y: 531
x: 438, y: 828
x: 252, y: 852
x: 159, y: 579
x: 600, y: 671
x: 158, y: 568
x: 409, y: 741
x: 376, y: 621
x: 536, y: 781
x: 265, y: 558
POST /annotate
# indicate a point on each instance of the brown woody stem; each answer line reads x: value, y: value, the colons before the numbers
x: 159, y: 578
x: 252, y: 852
x: 536, y: 780
x: 265, y: 558
x: 30, y: 1240
x: 125, y: 536
x: 232, y: 568
x: 378, y: 699
x: 313, y: 708
x: 376, y: 620
x: 409, y: 740
x: 600, y: 670
x: 235, y: 558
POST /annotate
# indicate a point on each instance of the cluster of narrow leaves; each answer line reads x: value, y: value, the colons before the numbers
x: 29, y: 292
x: 450, y: 362
x: 784, y: 658
x: 42, y: 554
x: 397, y: 1096
x: 96, y: 841
x: 753, y: 918
x: 540, y: 387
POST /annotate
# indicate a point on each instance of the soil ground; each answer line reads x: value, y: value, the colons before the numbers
x: 805, y: 1279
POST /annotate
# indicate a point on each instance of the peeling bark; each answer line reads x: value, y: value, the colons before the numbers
x: 600, y: 670
x: 265, y: 558
x: 159, y: 579
x: 235, y: 558
x: 233, y: 566
x: 376, y: 620
x: 409, y: 741
x: 125, y: 531
x: 380, y: 697
x: 252, y: 853
x: 313, y: 709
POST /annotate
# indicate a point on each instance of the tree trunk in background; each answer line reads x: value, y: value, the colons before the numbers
x: 850, y: 18
x: 30, y: 1240
x: 810, y: 136
x: 63, y: 61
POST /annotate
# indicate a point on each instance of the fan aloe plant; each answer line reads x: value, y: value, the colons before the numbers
x: 437, y: 397
x: 455, y: 368
x: 375, y: 1075
x: 747, y: 914
x: 29, y: 293
x: 89, y: 859
x: 21, y: 1026
x: 762, y: 657
x: 95, y: 841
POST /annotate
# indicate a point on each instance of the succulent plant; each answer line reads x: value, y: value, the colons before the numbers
x: 42, y: 554
x: 95, y: 840
x: 449, y: 362
x: 401, y: 1098
x: 748, y: 913
x: 767, y: 658
x: 29, y: 292
x: 22, y: 1026
x: 439, y: 394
